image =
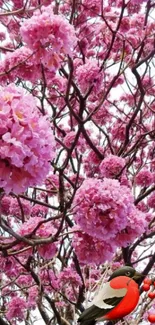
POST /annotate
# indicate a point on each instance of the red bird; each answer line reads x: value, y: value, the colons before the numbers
x: 116, y: 299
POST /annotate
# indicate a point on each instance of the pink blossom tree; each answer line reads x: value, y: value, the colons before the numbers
x: 77, y: 153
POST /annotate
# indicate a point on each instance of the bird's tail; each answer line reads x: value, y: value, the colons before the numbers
x: 87, y: 322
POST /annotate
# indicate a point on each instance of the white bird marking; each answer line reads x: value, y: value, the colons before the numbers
x: 107, y: 292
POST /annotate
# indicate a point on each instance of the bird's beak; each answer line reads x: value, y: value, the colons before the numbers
x: 138, y: 276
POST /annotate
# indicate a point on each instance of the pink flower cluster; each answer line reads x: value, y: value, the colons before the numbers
x: 70, y: 287
x: 92, y: 162
x: 26, y: 141
x: 69, y: 139
x: 90, y: 249
x: 21, y: 64
x: 92, y: 5
x: 111, y: 166
x: 71, y: 274
x: 67, y: 281
x: 30, y: 225
x: 105, y: 211
x: 49, y: 279
x: 39, y: 211
x: 5, y: 205
x: 32, y: 297
x: 11, y: 206
x: 15, y: 208
x: 144, y: 178
x: 10, y: 267
x: 52, y: 183
x: 151, y: 200
x: 50, y: 36
x: 41, y: 229
x: 24, y: 280
x: 89, y: 75
x: 102, y: 207
x: 16, y: 308
x: 47, y: 251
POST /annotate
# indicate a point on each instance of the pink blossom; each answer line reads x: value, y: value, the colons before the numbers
x: 69, y: 138
x: 105, y: 209
x: 89, y: 75
x: 137, y: 223
x: 49, y: 279
x: 71, y: 274
x: 6, y: 290
x: 50, y: 36
x: 142, y: 206
x: 52, y: 182
x: 92, y: 162
x: 46, y: 228
x: 149, y: 217
x: 118, y: 130
x: 26, y: 144
x: 43, y: 228
x: 32, y: 297
x: 47, y: 251
x: 91, y: 250
x: 93, y: 6
x: 151, y: 200
x: 9, y: 266
x: 17, y: 4
x: 17, y: 210
x: 39, y: 210
x: 5, y: 204
x: 94, y: 277
x: 59, y: 85
x: 71, y: 287
x: 153, y: 166
x: 13, y: 27
x: 144, y: 177
x: 125, y: 25
x: 24, y: 280
x: 134, y: 7
x: 78, y: 181
x: 30, y: 225
x: 100, y: 115
x: 111, y: 166
x: 125, y: 181
x: 16, y: 308
x: 24, y: 61
x: 2, y: 36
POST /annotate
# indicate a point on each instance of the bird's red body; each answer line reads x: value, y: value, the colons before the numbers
x: 115, y: 299
x: 130, y: 300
